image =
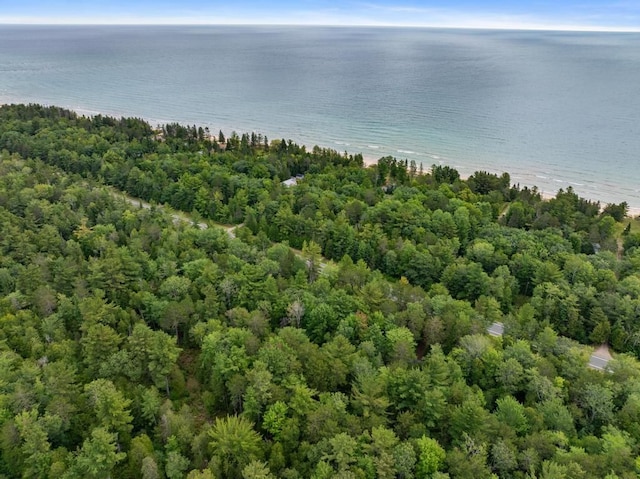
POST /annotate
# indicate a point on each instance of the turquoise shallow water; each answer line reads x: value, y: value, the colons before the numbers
x: 555, y: 109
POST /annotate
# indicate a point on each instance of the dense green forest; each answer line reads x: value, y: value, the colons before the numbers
x: 338, y: 332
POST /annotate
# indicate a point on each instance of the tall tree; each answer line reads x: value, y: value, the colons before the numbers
x: 233, y: 444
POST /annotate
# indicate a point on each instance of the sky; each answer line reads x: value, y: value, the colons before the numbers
x: 612, y: 15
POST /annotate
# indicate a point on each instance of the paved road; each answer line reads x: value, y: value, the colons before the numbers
x: 496, y: 329
x: 597, y: 362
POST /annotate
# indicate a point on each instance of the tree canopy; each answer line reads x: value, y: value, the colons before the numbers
x: 169, y: 308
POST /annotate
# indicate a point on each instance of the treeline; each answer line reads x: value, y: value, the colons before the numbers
x: 135, y: 347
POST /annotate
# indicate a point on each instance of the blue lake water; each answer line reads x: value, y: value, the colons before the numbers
x: 554, y: 109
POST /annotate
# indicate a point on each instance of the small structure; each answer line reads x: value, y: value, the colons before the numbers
x: 293, y: 181
x: 496, y: 329
x: 290, y: 182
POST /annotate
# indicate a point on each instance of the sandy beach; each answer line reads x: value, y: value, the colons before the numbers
x: 547, y: 195
x: 633, y: 211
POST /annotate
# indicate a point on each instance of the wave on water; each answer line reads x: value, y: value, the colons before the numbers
x: 84, y: 111
x: 489, y: 119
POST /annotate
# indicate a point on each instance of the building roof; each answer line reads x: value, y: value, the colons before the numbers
x: 293, y: 180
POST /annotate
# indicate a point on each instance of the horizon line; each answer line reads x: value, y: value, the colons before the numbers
x: 542, y: 28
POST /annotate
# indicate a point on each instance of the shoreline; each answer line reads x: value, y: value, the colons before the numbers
x: 633, y: 211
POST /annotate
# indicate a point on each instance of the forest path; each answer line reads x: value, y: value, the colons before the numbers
x: 177, y: 216
x: 182, y: 217
x: 620, y: 252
